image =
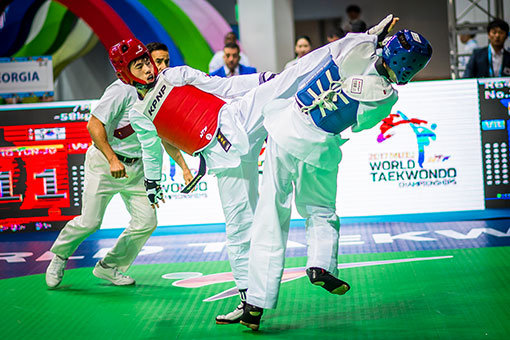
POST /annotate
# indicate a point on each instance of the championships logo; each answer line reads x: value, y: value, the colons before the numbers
x: 414, y: 167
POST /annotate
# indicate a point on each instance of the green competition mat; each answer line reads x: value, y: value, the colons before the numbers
x: 465, y: 295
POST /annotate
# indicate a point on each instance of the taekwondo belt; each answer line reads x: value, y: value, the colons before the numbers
x: 126, y: 160
x: 225, y: 144
x: 123, y: 159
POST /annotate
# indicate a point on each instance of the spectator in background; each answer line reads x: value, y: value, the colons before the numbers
x: 217, y: 60
x: 159, y: 53
x: 354, y: 24
x: 493, y: 60
x: 335, y: 34
x: 469, y: 44
x: 467, y: 38
x: 232, y: 67
x: 303, y: 46
x: 30, y: 99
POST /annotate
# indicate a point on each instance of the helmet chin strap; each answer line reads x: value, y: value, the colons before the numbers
x: 144, y: 87
x: 381, y: 69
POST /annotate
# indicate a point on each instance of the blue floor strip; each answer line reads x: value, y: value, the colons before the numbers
x: 32, y: 256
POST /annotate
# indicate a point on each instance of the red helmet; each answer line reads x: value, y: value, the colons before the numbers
x: 124, y: 52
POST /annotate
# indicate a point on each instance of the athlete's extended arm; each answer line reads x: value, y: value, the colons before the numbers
x: 176, y: 155
x: 223, y: 87
x: 152, y: 155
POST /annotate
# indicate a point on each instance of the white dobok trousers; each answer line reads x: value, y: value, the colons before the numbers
x: 99, y: 189
x: 238, y: 189
x: 315, y: 197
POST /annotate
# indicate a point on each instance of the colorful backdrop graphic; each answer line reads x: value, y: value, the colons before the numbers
x: 423, y: 134
x: 193, y: 30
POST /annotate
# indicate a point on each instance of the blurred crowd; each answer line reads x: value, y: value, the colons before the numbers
x: 232, y: 61
x: 474, y: 61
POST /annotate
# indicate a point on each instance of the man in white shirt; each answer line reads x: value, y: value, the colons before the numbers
x: 217, y: 60
x: 112, y: 165
x: 354, y: 22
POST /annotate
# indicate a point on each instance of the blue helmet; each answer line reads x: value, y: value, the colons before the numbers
x: 406, y: 53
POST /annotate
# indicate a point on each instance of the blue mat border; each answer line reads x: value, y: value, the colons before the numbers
x: 297, y: 223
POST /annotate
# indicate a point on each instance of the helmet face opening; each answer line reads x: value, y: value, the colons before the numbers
x: 406, y: 53
x: 123, y: 54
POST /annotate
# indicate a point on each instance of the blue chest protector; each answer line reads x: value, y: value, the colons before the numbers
x: 321, y: 97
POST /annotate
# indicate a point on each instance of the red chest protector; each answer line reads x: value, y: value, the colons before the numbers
x: 184, y: 116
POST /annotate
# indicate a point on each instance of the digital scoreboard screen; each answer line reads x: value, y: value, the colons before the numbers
x: 42, y: 151
x: 494, y: 95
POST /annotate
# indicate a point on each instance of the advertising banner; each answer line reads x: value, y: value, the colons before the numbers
x: 424, y: 157
x: 26, y: 76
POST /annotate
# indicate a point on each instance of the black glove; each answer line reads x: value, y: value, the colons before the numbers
x: 154, y: 192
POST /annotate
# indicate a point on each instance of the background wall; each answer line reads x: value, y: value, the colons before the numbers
x: 85, y: 78
x: 427, y: 17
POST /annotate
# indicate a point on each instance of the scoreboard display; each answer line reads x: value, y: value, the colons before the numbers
x: 42, y: 151
x: 494, y: 96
